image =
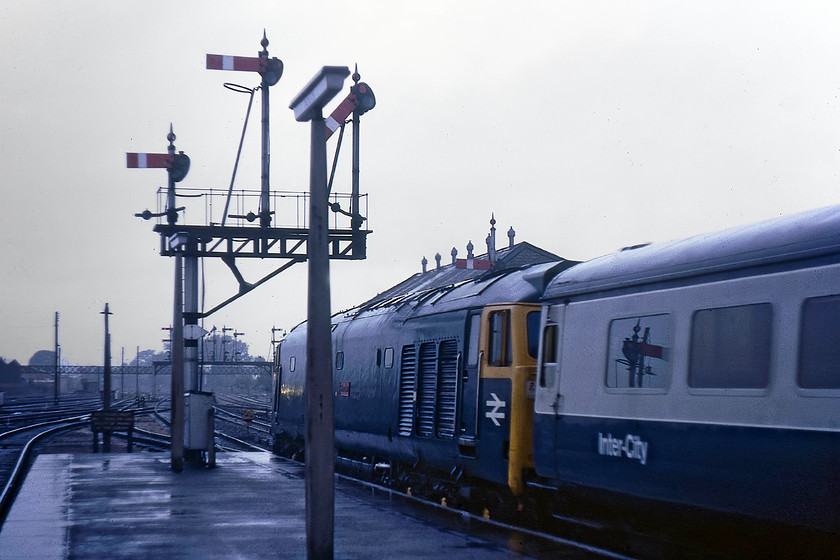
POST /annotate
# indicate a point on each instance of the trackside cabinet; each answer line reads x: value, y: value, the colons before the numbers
x: 198, y: 406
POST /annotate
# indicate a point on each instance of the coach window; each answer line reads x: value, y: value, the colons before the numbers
x: 639, y: 353
x: 730, y: 347
x: 819, y: 351
x: 389, y: 357
x: 499, y: 338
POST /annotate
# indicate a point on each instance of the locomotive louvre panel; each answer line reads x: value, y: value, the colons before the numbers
x: 408, y: 389
x: 426, y: 389
x: 447, y: 388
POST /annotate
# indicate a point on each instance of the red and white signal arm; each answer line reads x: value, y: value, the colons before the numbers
x: 239, y: 63
x: 148, y: 161
x: 340, y: 114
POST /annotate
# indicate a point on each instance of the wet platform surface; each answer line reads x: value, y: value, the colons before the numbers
x: 250, y: 506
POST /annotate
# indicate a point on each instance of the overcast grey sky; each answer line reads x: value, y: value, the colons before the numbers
x: 587, y: 126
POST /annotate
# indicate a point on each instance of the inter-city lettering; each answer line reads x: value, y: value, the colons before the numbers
x: 631, y: 447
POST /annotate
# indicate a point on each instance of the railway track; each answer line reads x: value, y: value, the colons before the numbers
x: 18, y: 445
x: 25, y: 427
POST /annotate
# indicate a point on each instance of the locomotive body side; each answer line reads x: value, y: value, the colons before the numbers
x: 439, y: 381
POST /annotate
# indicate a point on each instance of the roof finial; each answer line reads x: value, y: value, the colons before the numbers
x: 356, y: 75
x: 491, y: 239
x: 264, y: 42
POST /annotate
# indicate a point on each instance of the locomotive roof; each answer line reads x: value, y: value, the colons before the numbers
x: 798, y: 236
x: 520, y: 274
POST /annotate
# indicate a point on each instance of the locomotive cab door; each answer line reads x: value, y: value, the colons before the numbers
x: 277, y: 382
x: 469, y: 386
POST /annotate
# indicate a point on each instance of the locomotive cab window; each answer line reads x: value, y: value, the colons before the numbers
x: 639, y: 353
x: 730, y: 347
x: 339, y: 360
x: 532, y: 327
x: 819, y: 350
x: 472, y: 350
x: 292, y: 363
x: 389, y: 357
x: 499, y: 347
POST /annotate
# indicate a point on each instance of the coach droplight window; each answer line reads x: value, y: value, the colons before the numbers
x: 549, y: 356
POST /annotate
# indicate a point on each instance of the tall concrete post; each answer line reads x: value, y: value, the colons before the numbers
x: 319, y: 387
x: 318, y: 391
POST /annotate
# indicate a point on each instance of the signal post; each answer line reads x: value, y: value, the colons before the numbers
x: 317, y: 244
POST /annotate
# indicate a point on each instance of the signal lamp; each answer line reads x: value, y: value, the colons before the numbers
x: 180, y: 167
x: 365, y: 100
x: 271, y: 70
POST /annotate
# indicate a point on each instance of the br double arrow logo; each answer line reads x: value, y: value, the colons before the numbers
x: 496, y: 403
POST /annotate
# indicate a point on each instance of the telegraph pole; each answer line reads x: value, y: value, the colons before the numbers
x: 106, y: 390
x: 56, y: 359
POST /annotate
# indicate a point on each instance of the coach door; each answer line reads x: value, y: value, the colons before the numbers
x: 469, y: 385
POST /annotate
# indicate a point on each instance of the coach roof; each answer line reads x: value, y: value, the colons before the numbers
x: 806, y: 235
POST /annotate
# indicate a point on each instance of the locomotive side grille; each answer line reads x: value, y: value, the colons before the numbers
x: 408, y: 377
x: 447, y: 388
x: 426, y: 389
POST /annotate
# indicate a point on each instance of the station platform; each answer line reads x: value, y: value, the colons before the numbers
x: 250, y: 506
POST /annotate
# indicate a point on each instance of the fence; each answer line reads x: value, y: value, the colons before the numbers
x: 253, y: 378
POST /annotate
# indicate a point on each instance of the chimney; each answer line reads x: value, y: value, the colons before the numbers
x: 511, y: 235
x: 437, y: 260
x: 470, y: 256
x: 424, y: 262
x: 454, y: 254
